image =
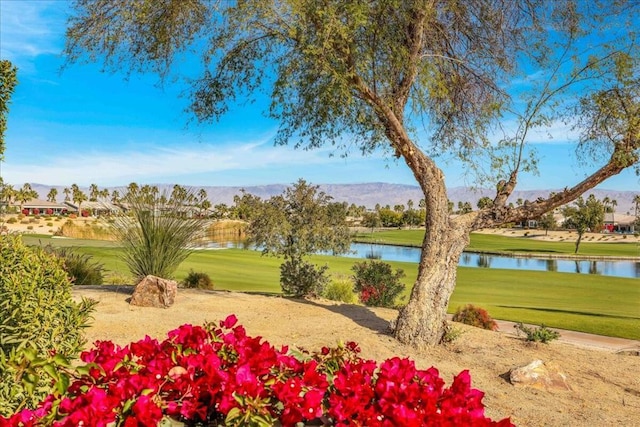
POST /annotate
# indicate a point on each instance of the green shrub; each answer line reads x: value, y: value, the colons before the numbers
x: 155, y: 237
x: 300, y: 278
x: 475, y: 316
x: 539, y: 334
x: 12, y: 220
x: 197, y: 280
x: 80, y: 267
x: 39, y: 317
x: 340, y: 289
x: 377, y: 284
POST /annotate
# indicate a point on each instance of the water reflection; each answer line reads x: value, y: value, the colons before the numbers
x: 629, y: 269
x: 604, y: 268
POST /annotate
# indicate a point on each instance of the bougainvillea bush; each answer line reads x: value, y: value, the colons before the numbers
x: 221, y: 376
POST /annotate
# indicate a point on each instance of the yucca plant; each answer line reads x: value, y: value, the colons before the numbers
x: 157, y: 233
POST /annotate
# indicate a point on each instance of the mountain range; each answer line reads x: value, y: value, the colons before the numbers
x: 370, y: 194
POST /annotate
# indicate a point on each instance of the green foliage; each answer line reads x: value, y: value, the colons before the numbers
x: 156, y: 234
x: 8, y: 82
x: 584, y: 216
x: 197, y: 280
x: 538, y: 334
x: 38, y: 316
x: 451, y: 334
x: 371, y: 220
x: 300, y: 278
x: 475, y: 316
x: 81, y: 268
x: 340, y: 289
x: 298, y: 223
x: 377, y: 284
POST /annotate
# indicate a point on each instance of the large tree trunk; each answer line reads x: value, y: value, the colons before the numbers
x: 422, y: 322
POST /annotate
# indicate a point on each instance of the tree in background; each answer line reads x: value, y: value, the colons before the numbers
x: 78, y: 196
x: 485, y: 202
x: 25, y: 194
x: 584, y: 216
x: 52, y: 194
x: 371, y: 220
x: 547, y: 222
x: 300, y: 222
x: 8, y: 82
x: 7, y: 193
x: 378, y: 71
x: 94, y: 192
x: 245, y: 205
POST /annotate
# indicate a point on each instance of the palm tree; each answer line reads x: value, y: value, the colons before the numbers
x: 115, y: 196
x: 67, y: 194
x: 25, y: 194
x: 104, y: 193
x: 94, y: 192
x: 132, y: 189
x: 51, y: 196
x: 78, y: 197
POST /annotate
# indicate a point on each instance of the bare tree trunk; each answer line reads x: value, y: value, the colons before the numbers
x: 578, y: 242
x: 422, y: 322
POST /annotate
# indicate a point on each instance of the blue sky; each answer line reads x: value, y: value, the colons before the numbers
x: 83, y: 126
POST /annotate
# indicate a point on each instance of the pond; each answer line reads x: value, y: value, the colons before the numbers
x: 629, y: 269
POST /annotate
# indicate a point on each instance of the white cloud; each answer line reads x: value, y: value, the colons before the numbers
x: 29, y: 29
x: 155, y: 164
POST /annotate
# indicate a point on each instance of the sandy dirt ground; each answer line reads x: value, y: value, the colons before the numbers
x: 605, y: 384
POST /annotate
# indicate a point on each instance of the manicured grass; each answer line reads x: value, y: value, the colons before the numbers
x: 498, y: 244
x: 588, y: 303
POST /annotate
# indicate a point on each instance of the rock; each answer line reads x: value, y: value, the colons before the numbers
x: 631, y: 351
x: 540, y: 375
x: 154, y: 291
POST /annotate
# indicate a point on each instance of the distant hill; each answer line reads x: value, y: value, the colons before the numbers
x: 370, y: 194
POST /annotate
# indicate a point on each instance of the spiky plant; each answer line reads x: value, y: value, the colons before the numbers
x: 157, y: 233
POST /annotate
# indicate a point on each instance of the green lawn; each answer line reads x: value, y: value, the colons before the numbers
x: 499, y: 244
x: 595, y: 304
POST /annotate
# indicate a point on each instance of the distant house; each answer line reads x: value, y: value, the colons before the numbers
x: 618, y: 223
x: 95, y: 208
x: 42, y: 207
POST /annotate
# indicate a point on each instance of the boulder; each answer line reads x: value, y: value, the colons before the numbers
x: 540, y: 375
x: 154, y: 291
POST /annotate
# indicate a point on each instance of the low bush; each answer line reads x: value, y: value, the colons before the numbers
x: 197, y: 280
x: 12, y: 220
x: 538, y: 334
x: 221, y: 376
x: 475, y: 316
x: 301, y: 278
x: 40, y: 321
x: 340, y: 289
x: 377, y: 284
x: 81, y: 268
